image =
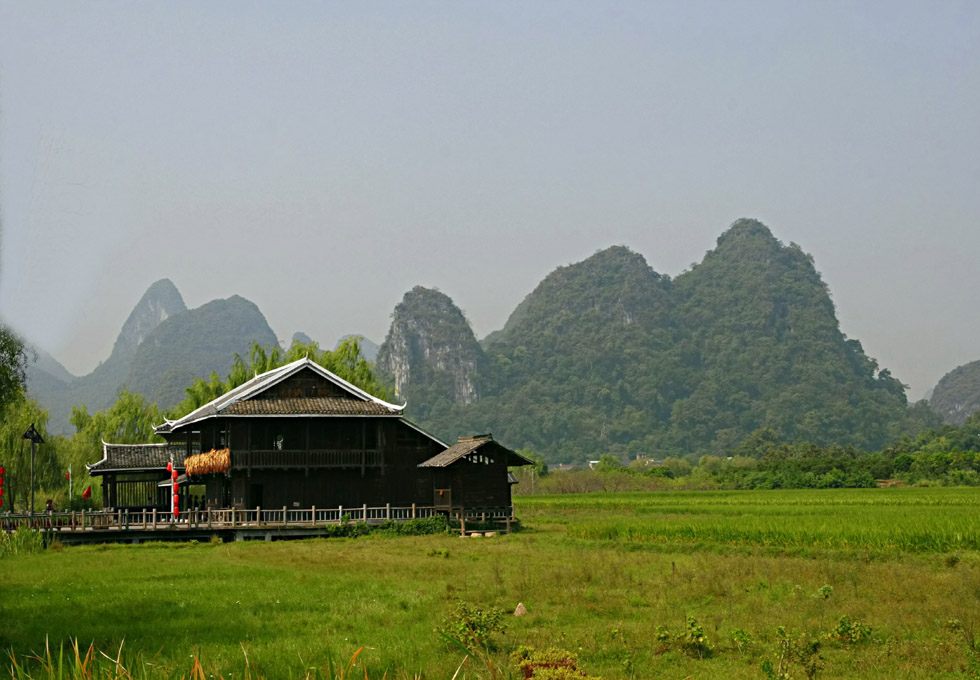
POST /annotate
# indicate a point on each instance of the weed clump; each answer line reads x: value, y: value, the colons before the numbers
x: 20, y: 542
x: 548, y: 664
x: 801, y: 651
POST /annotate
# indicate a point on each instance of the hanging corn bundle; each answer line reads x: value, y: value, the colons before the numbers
x: 211, y: 462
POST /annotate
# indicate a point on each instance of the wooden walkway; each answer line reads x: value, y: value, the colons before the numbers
x: 238, y: 524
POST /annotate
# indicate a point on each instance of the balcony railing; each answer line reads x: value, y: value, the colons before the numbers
x: 301, y: 458
x: 234, y: 518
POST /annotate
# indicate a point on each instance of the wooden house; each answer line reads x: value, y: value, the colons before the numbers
x: 299, y: 436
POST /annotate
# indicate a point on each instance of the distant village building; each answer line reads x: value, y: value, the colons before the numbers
x: 300, y: 436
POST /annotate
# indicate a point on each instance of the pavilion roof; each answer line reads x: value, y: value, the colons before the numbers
x: 138, y: 457
x: 467, y: 445
x: 245, y: 399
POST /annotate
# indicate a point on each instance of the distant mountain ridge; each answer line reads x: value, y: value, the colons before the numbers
x: 607, y: 355
x: 160, y: 349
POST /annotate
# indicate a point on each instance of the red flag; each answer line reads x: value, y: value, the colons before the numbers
x: 67, y: 475
x: 87, y: 493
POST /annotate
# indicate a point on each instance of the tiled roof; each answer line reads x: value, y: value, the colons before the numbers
x: 138, y: 457
x: 314, y: 406
x: 467, y: 445
x: 263, y: 382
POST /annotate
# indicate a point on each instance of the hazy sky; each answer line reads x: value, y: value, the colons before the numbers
x: 320, y: 159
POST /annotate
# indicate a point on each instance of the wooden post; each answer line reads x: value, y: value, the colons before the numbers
x: 154, y: 519
x: 387, y: 511
x: 284, y: 515
x: 313, y: 523
x: 462, y: 524
x: 118, y: 518
x: 258, y: 515
x: 340, y: 514
x: 73, y: 521
x: 364, y: 513
x: 233, y: 517
x: 413, y: 510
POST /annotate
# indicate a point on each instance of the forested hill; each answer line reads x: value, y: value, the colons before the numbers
x: 957, y: 394
x: 607, y: 355
x: 192, y: 345
x: 430, y: 352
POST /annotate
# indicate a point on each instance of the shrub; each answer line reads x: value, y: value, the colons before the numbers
x: 801, y: 651
x: 471, y: 624
x: 548, y: 664
x: 850, y: 632
x: 694, y: 642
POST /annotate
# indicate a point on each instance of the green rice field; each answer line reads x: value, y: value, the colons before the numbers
x: 752, y: 584
x: 899, y: 520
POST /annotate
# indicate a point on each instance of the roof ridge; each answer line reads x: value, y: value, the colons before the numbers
x: 264, y: 381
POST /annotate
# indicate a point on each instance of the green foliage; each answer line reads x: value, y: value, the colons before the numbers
x: 475, y: 626
x: 694, y: 641
x: 421, y: 526
x: 20, y: 542
x: 548, y: 664
x: 608, y: 356
x: 800, y: 652
x: 608, y: 463
x: 850, y: 632
x: 957, y: 394
x: 15, y: 455
x: 14, y: 357
x: 740, y: 640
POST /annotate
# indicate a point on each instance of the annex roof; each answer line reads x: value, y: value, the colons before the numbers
x: 137, y: 457
x: 241, y: 400
x: 467, y: 445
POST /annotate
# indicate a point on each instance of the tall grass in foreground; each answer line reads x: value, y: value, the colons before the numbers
x: 20, y: 542
x: 88, y: 664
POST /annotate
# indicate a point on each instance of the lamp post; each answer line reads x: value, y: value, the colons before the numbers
x: 35, y: 438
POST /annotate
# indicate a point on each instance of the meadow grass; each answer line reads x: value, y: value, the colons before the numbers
x: 600, y: 575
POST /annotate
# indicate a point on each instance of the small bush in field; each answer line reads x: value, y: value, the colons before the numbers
x: 740, y: 640
x: 802, y: 652
x: 471, y: 624
x: 694, y: 642
x: 850, y: 632
x: 548, y: 664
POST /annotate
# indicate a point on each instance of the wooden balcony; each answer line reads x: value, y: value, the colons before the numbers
x: 301, y: 458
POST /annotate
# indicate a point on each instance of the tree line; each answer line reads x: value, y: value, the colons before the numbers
x: 948, y: 455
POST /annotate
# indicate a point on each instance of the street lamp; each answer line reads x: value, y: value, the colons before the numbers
x: 35, y: 438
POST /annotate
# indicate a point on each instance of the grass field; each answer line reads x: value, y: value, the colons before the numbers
x: 614, y: 578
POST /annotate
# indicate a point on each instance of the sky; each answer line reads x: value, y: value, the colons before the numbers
x: 320, y: 159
